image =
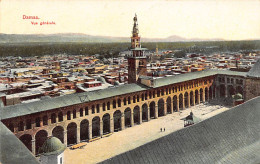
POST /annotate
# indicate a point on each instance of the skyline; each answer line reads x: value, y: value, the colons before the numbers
x: 227, y: 20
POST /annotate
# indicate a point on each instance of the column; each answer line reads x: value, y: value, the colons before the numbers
x: 65, y: 137
x: 178, y: 104
x: 122, y: 122
x: 183, y: 102
x: 172, y: 106
x: 112, y: 125
x: 203, y: 95
x: 41, y: 122
x: 90, y: 131
x: 193, y: 99
x: 33, y: 145
x: 148, y: 113
x: 188, y: 100
x: 156, y: 111
x: 65, y: 116
x: 132, y: 119
x: 141, y: 116
x: 78, y: 134
x: 165, y: 109
x: 226, y: 91
x: 101, y: 129
x: 198, y: 97
x: 49, y: 119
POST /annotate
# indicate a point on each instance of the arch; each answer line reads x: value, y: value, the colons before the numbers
x: 152, y: 109
x: 127, y: 114
x: 136, y: 114
x: 206, y: 94
x: 106, y: 123
x: 84, y: 130
x: 117, y: 120
x: 160, y: 108
x: 181, y: 101
x: 58, y: 132
x: 27, y: 141
x: 96, y: 127
x: 239, y: 89
x: 144, y: 112
x: 196, y: 96
x: 191, y: 98
x: 201, y: 95
x: 169, y: 105
x: 222, y: 90
x: 186, y: 99
x: 40, y: 138
x: 71, y: 133
x: 174, y: 103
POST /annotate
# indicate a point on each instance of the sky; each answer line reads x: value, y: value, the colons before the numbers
x: 205, y: 19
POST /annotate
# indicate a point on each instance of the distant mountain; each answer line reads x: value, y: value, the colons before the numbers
x: 78, y: 37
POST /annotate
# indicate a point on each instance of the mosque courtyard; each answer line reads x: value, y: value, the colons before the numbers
x: 131, y: 138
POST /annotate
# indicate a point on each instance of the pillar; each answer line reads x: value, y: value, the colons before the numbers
x: 148, y: 113
x: 101, y: 129
x: 33, y: 145
x: 49, y: 119
x: 41, y: 122
x: 165, y: 109
x: 172, y: 106
x: 188, y: 100
x: 203, y: 95
x: 177, y: 105
x: 156, y: 111
x: 193, y: 99
x: 90, y: 131
x: 112, y: 125
x: 65, y: 116
x: 141, y: 116
x: 132, y: 119
x: 65, y: 137
x: 198, y: 97
x: 122, y: 122
x: 78, y: 134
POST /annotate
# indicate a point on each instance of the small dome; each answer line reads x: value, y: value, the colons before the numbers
x: 237, y: 96
x: 52, y: 146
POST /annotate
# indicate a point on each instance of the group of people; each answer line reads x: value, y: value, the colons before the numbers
x: 162, y: 129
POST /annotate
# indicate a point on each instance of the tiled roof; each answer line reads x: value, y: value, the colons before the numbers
x: 230, y: 137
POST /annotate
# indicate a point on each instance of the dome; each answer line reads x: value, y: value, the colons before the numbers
x: 237, y: 97
x: 52, y: 146
x: 101, y: 79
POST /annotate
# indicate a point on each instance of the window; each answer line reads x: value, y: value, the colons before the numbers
x: 45, y: 120
x: 60, y: 117
x: 38, y: 122
x: 114, y: 103
x: 129, y: 100
x: 28, y: 124
x: 68, y: 115
x: 97, y: 108
x: 104, y: 107
x: 53, y: 118
x: 119, y: 102
x: 81, y: 112
x: 20, y: 126
x: 124, y: 101
x: 86, y: 111
x: 61, y: 160
x: 93, y: 109
x: 108, y: 105
x: 74, y: 113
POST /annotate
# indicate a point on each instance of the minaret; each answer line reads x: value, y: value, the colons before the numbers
x: 137, y: 61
